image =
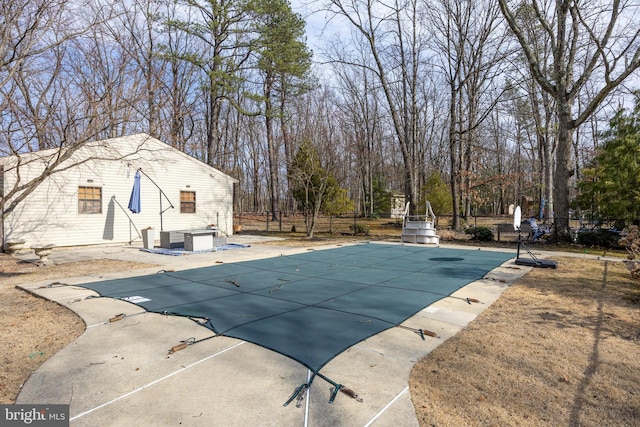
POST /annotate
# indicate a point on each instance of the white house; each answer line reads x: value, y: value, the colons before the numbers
x: 86, y: 201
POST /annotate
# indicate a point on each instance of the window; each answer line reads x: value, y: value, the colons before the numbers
x: 187, y: 202
x: 89, y: 200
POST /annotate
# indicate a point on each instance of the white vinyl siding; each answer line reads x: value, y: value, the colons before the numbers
x: 50, y: 214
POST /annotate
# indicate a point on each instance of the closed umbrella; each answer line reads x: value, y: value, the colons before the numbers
x: 134, y: 200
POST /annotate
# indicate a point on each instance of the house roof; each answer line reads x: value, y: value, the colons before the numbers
x: 110, y: 149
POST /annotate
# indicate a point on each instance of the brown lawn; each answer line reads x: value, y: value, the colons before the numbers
x: 560, y: 347
x: 34, y: 329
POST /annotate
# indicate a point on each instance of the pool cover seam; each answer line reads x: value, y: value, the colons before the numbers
x: 332, y: 263
x: 315, y: 305
x: 255, y: 291
x: 302, y: 306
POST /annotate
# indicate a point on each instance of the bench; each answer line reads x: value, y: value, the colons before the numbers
x: 508, y: 228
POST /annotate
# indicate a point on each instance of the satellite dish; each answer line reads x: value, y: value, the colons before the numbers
x: 517, y: 217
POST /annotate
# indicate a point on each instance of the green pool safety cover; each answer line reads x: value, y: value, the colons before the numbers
x: 310, y: 306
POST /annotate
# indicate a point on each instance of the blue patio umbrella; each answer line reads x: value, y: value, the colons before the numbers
x: 134, y: 200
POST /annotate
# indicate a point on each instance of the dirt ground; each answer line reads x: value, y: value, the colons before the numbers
x: 560, y: 347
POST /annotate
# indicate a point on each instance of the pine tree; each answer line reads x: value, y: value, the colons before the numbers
x: 283, y: 61
x: 610, y: 188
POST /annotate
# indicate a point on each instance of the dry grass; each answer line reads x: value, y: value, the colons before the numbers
x: 560, y: 347
x: 34, y: 329
x: 333, y: 230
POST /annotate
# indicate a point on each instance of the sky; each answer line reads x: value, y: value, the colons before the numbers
x: 319, y: 29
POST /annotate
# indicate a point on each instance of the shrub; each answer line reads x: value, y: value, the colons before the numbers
x: 601, y: 238
x: 482, y: 234
x: 360, y: 229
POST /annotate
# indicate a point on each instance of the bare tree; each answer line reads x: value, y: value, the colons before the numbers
x: 108, y: 83
x: 180, y: 81
x: 56, y: 93
x: 396, y: 40
x: 471, y: 48
x: 31, y: 55
x: 135, y: 28
x: 25, y: 29
x: 363, y: 119
x: 591, y: 42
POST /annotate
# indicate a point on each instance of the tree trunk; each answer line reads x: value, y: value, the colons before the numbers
x: 453, y: 158
x: 213, y: 131
x: 273, y: 161
x: 563, y: 169
x: 286, y: 141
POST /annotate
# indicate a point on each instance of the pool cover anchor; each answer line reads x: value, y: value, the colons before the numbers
x: 117, y: 317
x: 301, y: 397
x: 296, y: 393
x: 202, y: 321
x: 183, y: 344
x: 421, y: 332
x: 301, y: 391
x: 424, y: 332
x: 178, y: 347
x: 352, y: 394
x: 186, y: 343
x: 120, y: 316
x: 340, y: 388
